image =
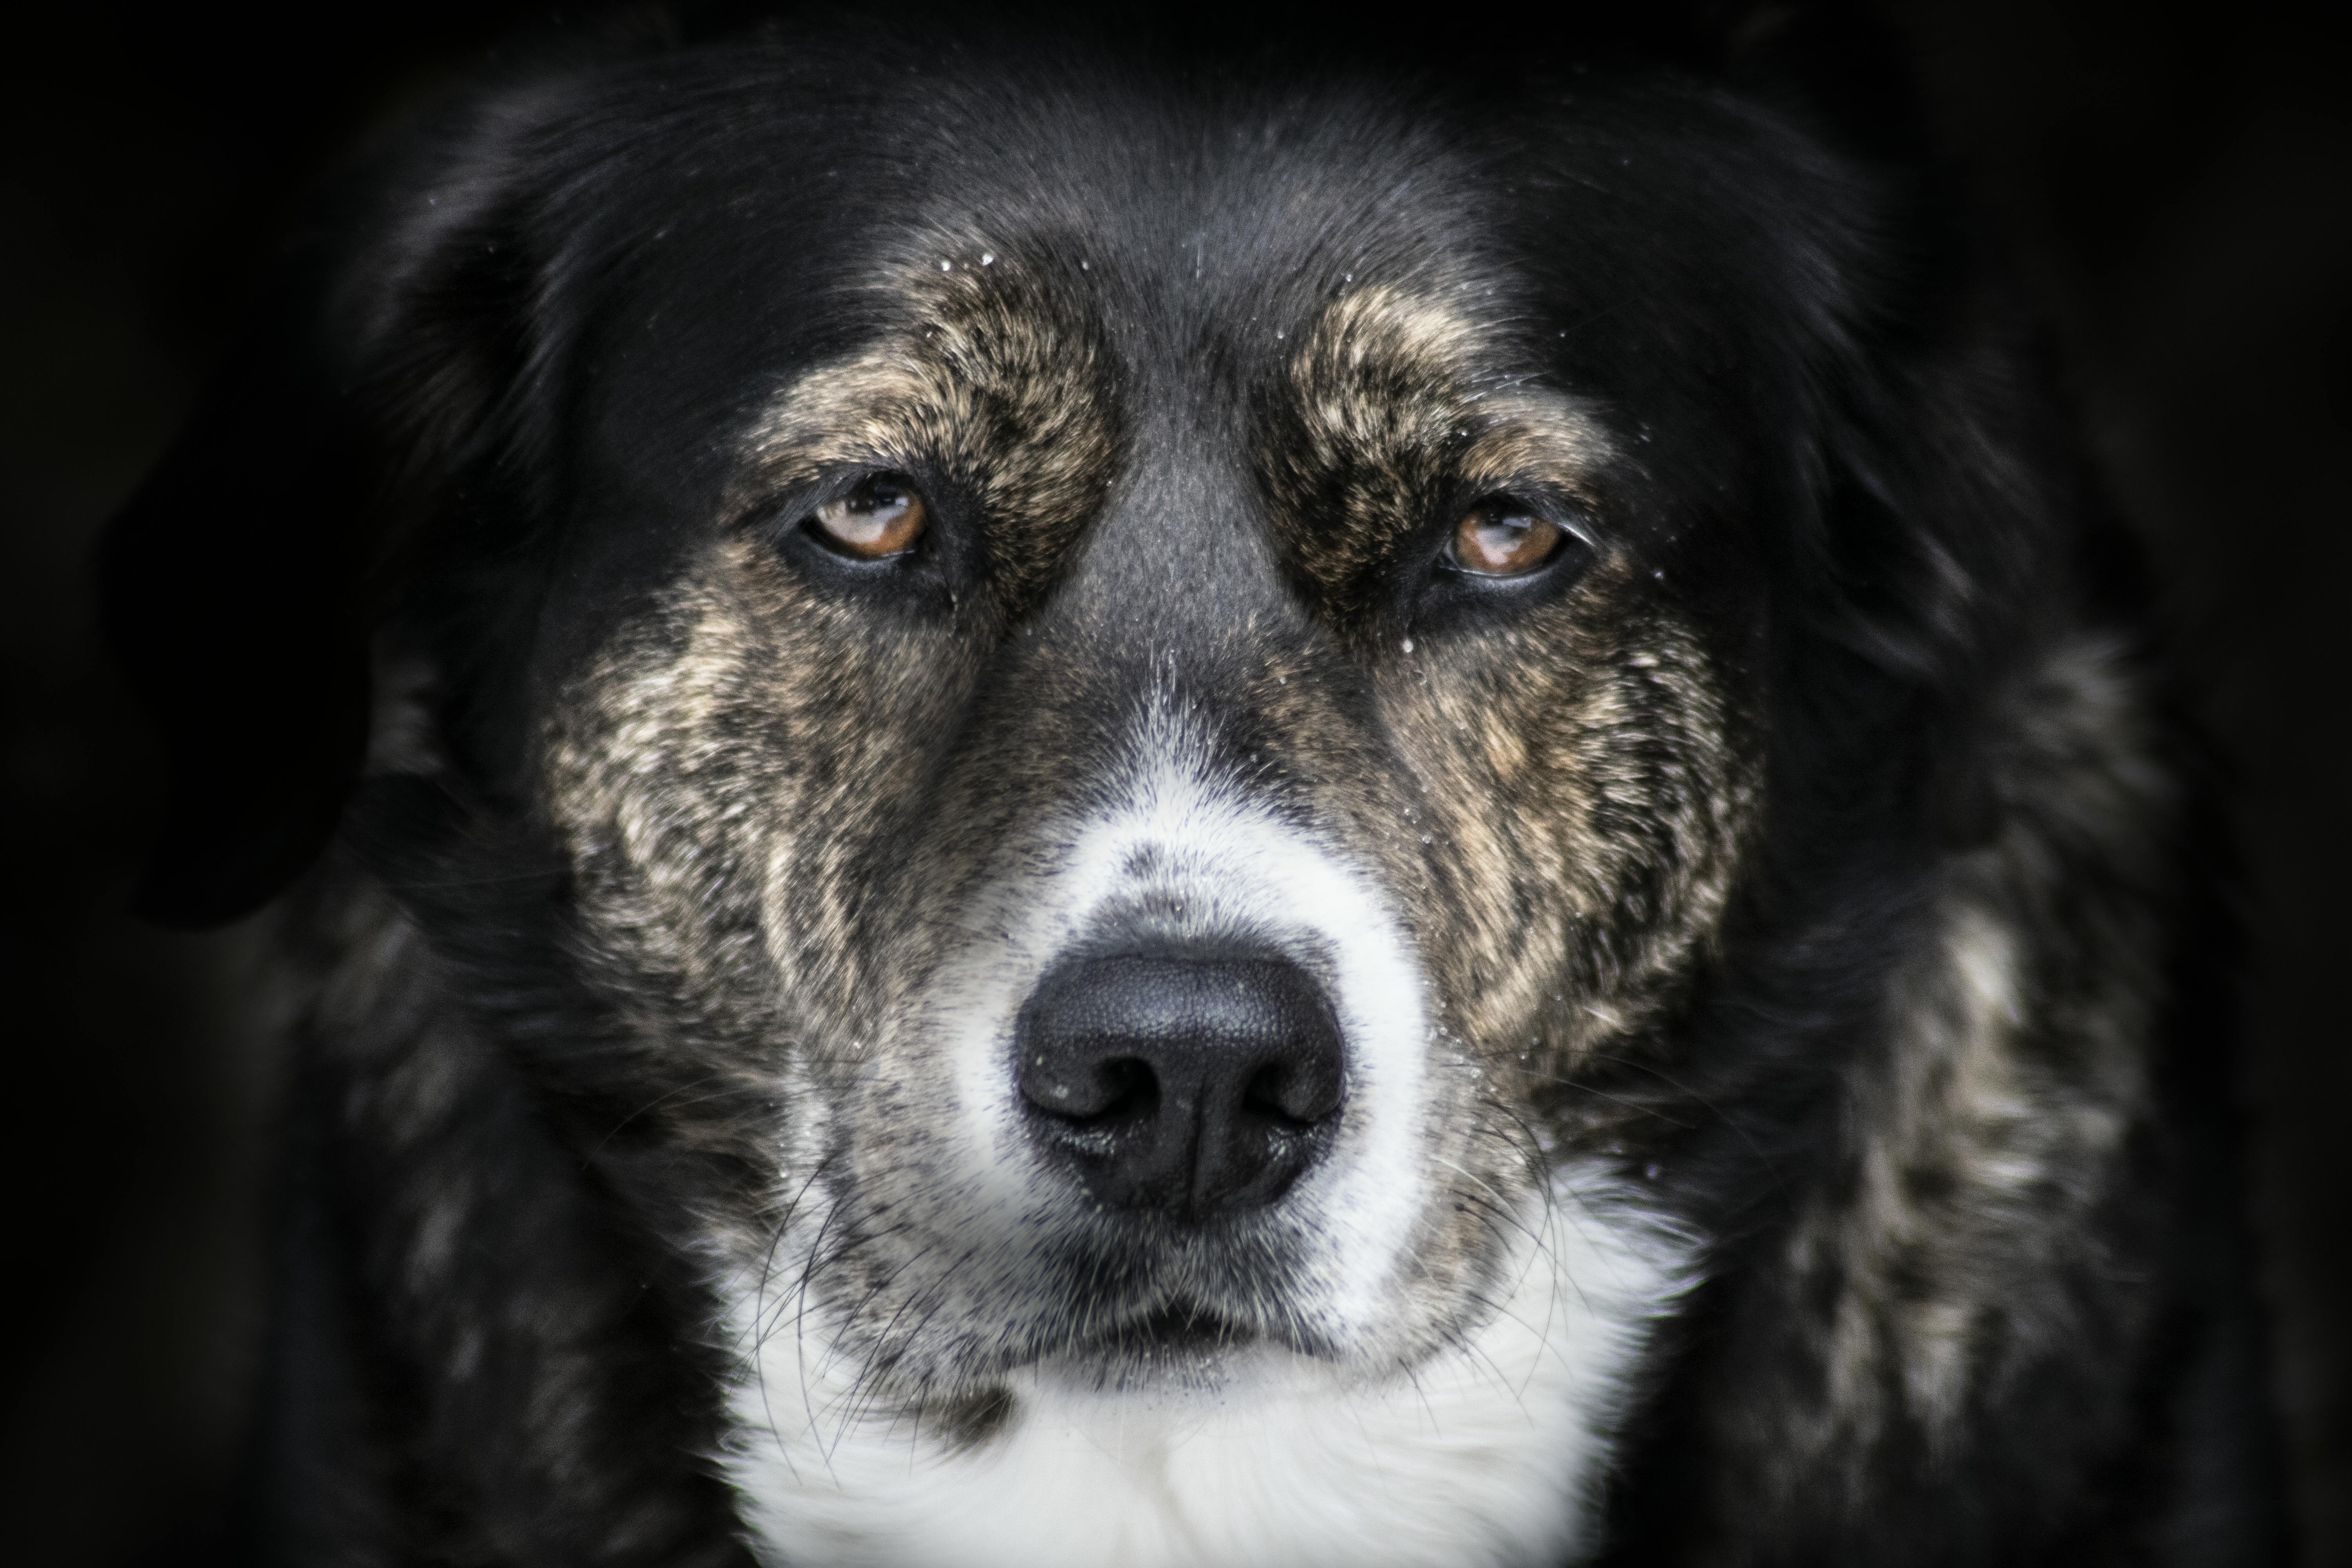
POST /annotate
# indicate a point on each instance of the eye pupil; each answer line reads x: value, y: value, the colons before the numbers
x: 884, y: 516
x: 1501, y: 537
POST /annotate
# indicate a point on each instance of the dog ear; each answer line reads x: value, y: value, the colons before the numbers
x: 240, y: 585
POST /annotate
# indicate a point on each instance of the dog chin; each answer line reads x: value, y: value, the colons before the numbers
x: 1159, y: 1358
x: 1181, y: 1439
x: 1178, y: 1350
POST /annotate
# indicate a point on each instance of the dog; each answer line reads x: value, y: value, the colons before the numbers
x: 1044, y: 806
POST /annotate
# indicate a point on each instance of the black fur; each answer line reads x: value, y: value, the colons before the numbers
x: 490, y: 400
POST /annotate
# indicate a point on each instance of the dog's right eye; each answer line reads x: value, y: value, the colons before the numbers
x: 883, y: 517
x: 1502, y: 538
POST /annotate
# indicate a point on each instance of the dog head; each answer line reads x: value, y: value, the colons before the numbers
x: 1118, y: 704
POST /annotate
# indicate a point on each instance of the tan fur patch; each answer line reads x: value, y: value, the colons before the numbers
x: 1582, y: 794
x: 996, y: 380
x: 1394, y: 402
x: 2003, y: 1106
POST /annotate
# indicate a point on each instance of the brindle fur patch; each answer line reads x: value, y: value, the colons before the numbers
x: 1396, y: 406
x: 1579, y: 787
x: 1994, y: 1129
x: 999, y: 380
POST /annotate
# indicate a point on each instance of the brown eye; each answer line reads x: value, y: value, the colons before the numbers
x: 1502, y: 538
x: 883, y: 516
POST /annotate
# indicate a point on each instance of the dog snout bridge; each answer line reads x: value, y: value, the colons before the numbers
x: 1183, y: 1085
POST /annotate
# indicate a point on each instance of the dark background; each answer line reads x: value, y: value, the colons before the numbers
x: 2175, y: 186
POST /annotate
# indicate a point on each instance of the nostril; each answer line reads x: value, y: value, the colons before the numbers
x: 1263, y: 1095
x: 1091, y: 1091
x: 1277, y: 1094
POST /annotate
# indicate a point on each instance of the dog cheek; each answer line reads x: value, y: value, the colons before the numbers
x: 719, y: 781
x: 640, y: 799
x: 1500, y: 823
x: 1584, y: 805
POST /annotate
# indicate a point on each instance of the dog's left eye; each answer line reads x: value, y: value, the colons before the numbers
x: 884, y: 516
x: 1500, y: 537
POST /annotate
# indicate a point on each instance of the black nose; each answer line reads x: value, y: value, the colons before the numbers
x: 1183, y: 1085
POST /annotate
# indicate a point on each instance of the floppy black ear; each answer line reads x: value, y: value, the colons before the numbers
x: 240, y: 585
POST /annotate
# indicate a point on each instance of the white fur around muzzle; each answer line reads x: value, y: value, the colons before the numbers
x: 1487, y: 1452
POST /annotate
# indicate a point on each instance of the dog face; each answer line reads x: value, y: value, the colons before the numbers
x: 1137, y: 692
x: 1130, y: 704
x: 1159, y: 761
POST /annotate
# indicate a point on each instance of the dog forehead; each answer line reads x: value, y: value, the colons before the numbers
x: 1204, y: 225
x: 780, y: 221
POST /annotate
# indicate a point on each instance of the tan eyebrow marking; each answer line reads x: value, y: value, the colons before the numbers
x: 999, y: 377
x: 1391, y: 396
